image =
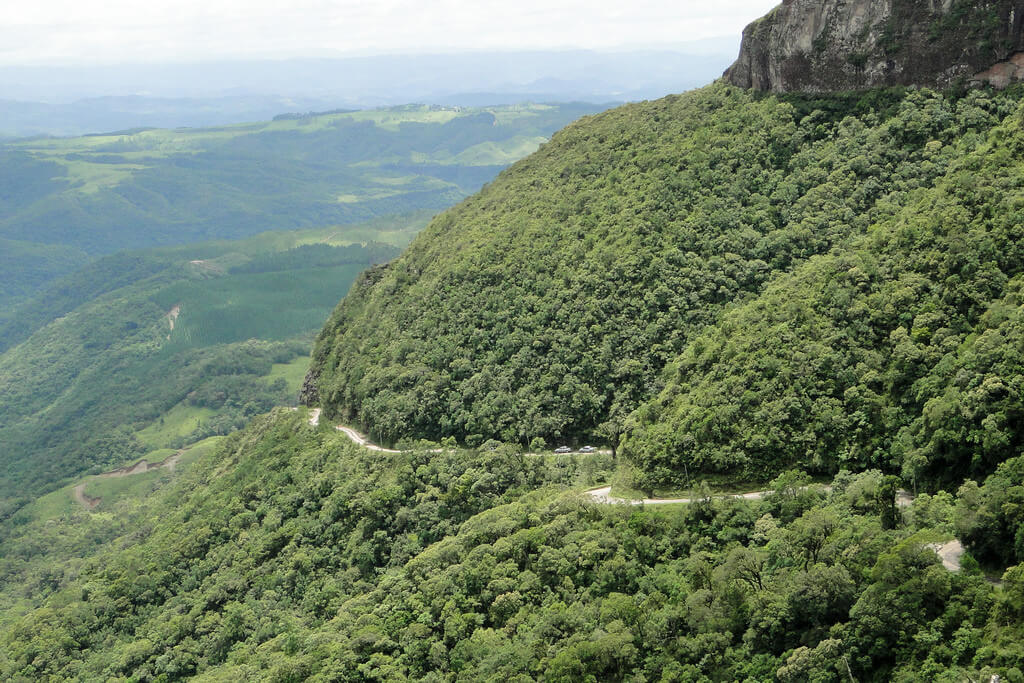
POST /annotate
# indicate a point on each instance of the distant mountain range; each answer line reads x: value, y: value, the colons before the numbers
x: 72, y: 100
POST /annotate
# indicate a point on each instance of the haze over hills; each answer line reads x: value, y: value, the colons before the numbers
x: 812, y: 299
x: 66, y: 100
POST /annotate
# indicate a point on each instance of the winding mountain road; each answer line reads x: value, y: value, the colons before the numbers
x: 949, y: 552
x: 362, y: 440
x: 604, y: 495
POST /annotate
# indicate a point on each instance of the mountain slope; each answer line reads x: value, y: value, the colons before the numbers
x: 547, y: 305
x: 290, y: 554
x: 902, y: 350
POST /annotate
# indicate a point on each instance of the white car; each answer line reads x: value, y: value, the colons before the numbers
x: 588, y: 449
x: 563, y: 449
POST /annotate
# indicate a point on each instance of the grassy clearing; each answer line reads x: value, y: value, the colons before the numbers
x: 292, y: 373
x: 54, y: 505
x: 113, y: 489
x: 198, y: 450
x: 178, y: 422
x: 90, y: 178
x: 498, y: 153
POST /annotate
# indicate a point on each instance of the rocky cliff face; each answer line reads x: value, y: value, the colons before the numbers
x: 830, y: 45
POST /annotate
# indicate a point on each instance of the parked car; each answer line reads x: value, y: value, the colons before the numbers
x: 563, y: 449
x: 588, y: 449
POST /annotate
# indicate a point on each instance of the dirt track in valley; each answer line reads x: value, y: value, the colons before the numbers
x: 141, y: 467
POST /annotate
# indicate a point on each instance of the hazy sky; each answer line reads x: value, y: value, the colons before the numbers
x: 109, y: 31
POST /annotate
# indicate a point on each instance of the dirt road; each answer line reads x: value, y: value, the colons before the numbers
x: 950, y: 553
x: 362, y: 440
x: 90, y: 503
x: 604, y: 495
x: 84, y: 499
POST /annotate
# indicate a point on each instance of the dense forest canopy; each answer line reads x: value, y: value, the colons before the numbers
x: 900, y: 350
x: 815, y: 302
x: 290, y: 554
x: 664, y: 234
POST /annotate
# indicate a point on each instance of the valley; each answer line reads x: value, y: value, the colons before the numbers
x: 165, y: 347
x: 64, y: 201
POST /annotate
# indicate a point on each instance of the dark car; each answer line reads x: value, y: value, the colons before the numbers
x: 563, y: 449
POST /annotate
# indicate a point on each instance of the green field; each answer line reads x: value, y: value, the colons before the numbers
x: 177, y: 423
x: 292, y: 373
x: 114, y: 489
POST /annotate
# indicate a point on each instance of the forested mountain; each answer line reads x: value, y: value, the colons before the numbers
x: 900, y: 350
x: 291, y: 554
x: 814, y: 300
x: 548, y: 305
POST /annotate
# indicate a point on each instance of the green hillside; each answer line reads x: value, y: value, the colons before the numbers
x: 819, y: 297
x: 162, y: 347
x: 797, y: 320
x: 118, y: 270
x: 27, y: 267
x: 903, y: 350
x: 548, y: 305
x: 290, y: 554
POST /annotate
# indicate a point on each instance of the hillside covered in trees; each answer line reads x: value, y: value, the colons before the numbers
x: 801, y: 265
x: 290, y: 554
x: 901, y: 350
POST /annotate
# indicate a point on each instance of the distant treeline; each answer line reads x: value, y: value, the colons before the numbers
x: 297, y: 116
x: 320, y: 256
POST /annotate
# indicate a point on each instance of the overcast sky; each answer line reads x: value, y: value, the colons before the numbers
x: 110, y: 31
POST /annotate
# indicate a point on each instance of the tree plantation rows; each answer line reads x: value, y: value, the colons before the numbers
x: 95, y: 376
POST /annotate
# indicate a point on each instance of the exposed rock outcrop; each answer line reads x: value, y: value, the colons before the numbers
x: 309, y: 395
x: 832, y: 45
